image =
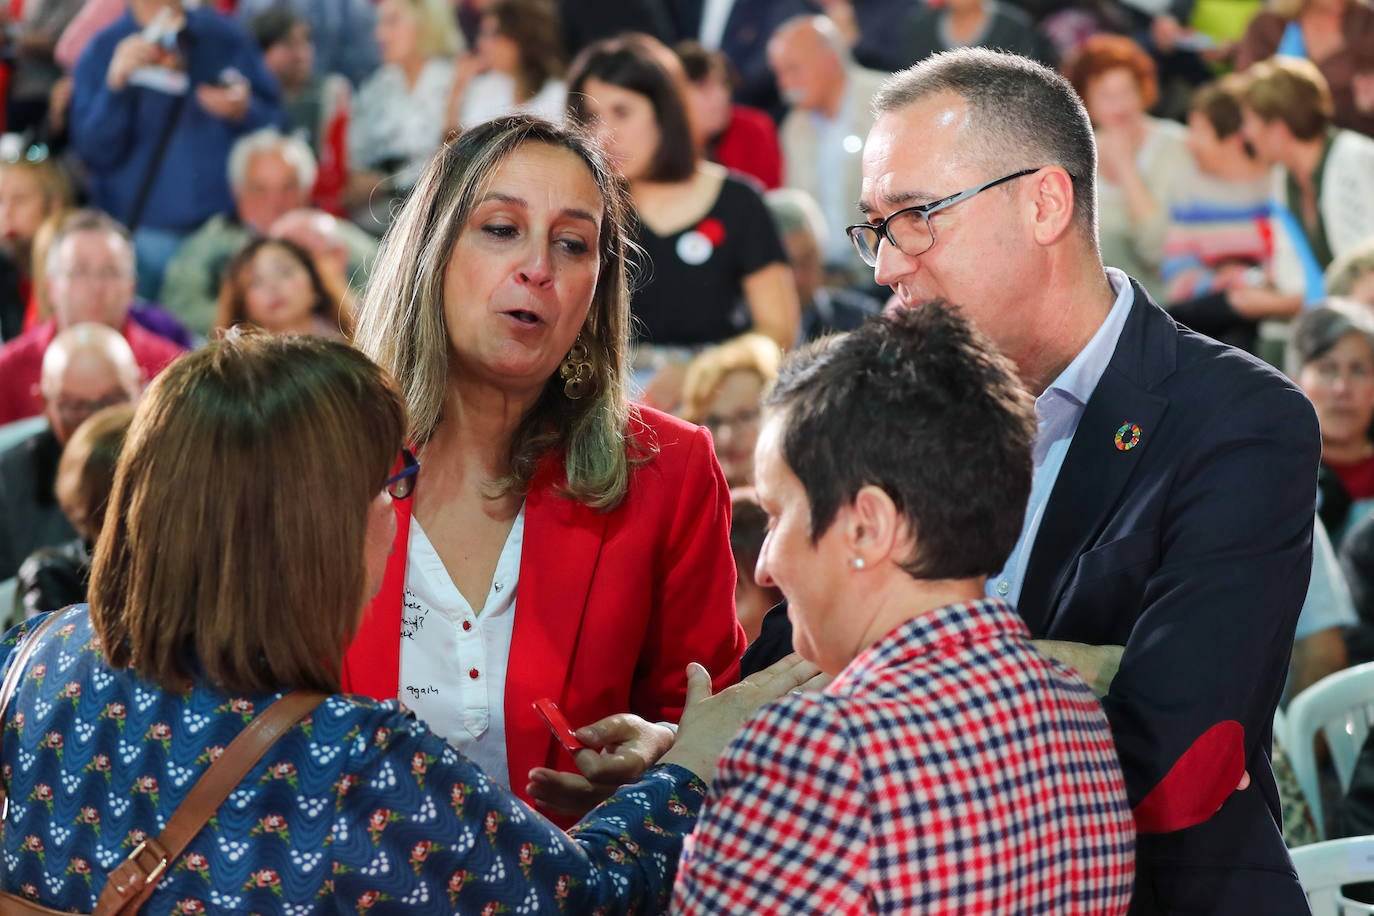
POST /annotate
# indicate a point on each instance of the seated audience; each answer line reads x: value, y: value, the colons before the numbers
x: 30, y: 192
x: 982, y: 23
x: 742, y: 139
x: 1220, y: 241
x: 276, y: 285
x: 271, y: 175
x: 342, y: 31
x: 317, y: 105
x: 89, y: 276
x: 1335, y: 35
x: 54, y: 577
x: 400, y: 112
x: 822, y: 136
x: 825, y: 307
x: 1351, y: 276
x: 87, y: 367
x: 1323, y: 187
x: 1140, y: 159
x: 520, y: 56
x: 715, y: 266
x: 158, y: 99
x: 748, y: 528
x: 1331, y: 357
x: 192, y: 624
x: 721, y: 390
x: 949, y: 767
x: 562, y: 541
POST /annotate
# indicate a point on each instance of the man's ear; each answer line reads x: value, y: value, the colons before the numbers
x: 1053, y: 201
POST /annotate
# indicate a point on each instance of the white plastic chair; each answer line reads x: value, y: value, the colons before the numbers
x: 1341, y: 707
x: 1324, y: 867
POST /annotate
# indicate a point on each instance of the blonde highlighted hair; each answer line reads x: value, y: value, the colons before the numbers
x: 756, y: 353
x: 401, y: 322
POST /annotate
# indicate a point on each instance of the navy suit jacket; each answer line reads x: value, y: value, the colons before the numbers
x: 1192, y: 549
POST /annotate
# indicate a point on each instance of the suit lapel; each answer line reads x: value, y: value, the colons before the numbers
x: 561, y: 549
x: 1096, y: 469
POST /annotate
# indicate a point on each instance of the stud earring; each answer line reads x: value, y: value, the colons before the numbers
x: 857, y: 563
x: 576, y: 370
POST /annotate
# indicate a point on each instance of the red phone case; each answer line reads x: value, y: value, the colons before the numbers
x: 558, y: 724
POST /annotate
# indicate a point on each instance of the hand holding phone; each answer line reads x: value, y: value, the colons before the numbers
x: 558, y: 724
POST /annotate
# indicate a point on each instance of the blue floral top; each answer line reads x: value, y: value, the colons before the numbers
x: 358, y: 808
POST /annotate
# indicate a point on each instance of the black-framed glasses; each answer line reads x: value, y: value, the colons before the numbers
x: 401, y: 484
x: 909, y: 230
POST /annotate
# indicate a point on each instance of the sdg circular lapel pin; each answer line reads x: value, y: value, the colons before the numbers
x: 1127, y: 437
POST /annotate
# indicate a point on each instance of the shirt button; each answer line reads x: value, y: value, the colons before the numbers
x: 1003, y: 588
x: 473, y: 674
x: 467, y: 624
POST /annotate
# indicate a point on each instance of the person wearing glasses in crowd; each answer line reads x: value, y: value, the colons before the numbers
x: 192, y: 629
x: 561, y: 542
x: 89, y: 276
x: 1147, y: 559
x: 87, y: 367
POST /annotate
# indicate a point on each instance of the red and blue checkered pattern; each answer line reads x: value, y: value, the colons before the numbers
x: 950, y: 768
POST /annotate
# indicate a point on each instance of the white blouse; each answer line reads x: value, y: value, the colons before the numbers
x: 453, y: 659
x: 394, y: 121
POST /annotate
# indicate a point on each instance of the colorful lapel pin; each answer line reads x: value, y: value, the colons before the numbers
x: 1127, y: 437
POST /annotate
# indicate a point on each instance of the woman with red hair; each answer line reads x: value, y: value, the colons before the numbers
x: 1139, y: 158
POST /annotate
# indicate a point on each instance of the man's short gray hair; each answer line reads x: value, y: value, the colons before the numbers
x: 794, y: 210
x: 1022, y: 115
x: 270, y: 140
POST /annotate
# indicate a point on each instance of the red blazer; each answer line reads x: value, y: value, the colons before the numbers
x: 750, y: 146
x: 611, y: 606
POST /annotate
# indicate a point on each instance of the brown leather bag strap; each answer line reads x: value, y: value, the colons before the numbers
x: 137, y: 877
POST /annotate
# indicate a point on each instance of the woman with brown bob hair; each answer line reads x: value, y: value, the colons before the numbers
x: 562, y: 543
x: 713, y: 251
x: 278, y: 286
x: 251, y: 517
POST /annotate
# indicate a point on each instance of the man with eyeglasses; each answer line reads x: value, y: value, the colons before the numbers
x: 89, y: 277
x: 88, y: 367
x: 1167, y: 542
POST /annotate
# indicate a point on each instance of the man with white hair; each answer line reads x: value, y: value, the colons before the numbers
x: 87, y: 367
x: 89, y: 278
x: 270, y: 175
x: 830, y: 99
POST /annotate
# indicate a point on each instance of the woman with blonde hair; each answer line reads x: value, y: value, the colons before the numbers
x: 1335, y: 35
x: 722, y: 391
x: 562, y: 542
x: 400, y: 111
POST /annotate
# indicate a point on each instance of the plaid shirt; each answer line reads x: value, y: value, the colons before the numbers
x: 950, y: 768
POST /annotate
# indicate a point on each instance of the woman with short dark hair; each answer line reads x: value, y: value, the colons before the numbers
x: 711, y: 244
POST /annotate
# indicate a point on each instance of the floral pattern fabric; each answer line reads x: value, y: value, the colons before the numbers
x: 358, y: 808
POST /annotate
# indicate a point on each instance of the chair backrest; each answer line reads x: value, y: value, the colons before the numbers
x: 1341, y: 707
x: 1324, y: 867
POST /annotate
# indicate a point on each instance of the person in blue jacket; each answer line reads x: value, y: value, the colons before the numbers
x: 158, y: 99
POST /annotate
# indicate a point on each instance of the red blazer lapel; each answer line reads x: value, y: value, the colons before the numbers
x: 372, y: 664
x: 558, y: 558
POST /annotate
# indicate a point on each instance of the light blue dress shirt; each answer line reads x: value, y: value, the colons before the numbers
x: 1057, y: 412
